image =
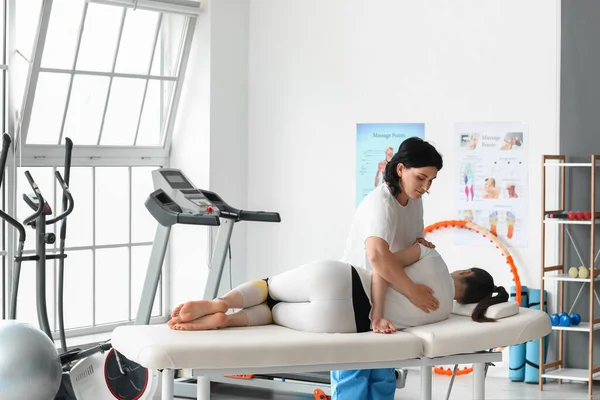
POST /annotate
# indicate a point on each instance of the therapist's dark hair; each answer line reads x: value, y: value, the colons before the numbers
x: 414, y: 152
x: 480, y: 289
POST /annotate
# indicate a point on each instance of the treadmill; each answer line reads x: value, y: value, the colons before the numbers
x: 176, y: 200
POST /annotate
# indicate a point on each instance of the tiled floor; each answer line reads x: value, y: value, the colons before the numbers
x: 496, y: 389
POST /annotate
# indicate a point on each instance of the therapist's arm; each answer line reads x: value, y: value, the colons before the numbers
x: 389, y: 266
x: 408, y: 256
x: 378, y: 291
x: 379, y: 285
x: 379, y: 288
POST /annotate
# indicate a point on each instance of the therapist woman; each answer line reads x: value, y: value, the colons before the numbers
x: 389, y: 219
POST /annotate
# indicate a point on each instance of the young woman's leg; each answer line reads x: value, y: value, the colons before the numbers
x: 322, y: 296
x: 210, y: 314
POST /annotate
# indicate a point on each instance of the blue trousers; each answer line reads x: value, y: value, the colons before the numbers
x: 364, y: 384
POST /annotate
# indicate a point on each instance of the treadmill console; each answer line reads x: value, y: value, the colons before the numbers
x: 191, y: 199
x: 176, y: 195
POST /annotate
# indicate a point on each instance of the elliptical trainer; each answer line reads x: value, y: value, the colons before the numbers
x: 99, y: 372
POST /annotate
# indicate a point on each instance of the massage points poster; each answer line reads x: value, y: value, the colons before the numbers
x: 376, y: 144
x: 492, y: 181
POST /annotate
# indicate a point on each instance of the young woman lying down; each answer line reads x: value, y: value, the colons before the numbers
x: 335, y: 297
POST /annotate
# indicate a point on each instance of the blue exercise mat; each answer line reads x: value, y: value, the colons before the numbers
x: 516, y: 354
x: 532, y: 349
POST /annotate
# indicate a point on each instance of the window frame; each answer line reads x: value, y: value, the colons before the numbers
x: 35, y: 151
x: 50, y: 155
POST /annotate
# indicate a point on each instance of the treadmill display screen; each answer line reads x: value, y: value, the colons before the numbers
x: 176, y: 180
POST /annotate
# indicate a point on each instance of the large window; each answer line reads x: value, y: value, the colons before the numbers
x: 5, y: 264
x: 107, y: 74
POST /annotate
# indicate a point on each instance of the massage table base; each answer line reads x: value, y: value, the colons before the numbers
x: 305, y: 383
x: 478, y: 360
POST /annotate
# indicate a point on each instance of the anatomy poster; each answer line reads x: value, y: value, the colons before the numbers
x: 376, y: 144
x: 492, y: 180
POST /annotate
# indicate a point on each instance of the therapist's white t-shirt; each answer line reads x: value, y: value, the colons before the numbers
x: 380, y: 215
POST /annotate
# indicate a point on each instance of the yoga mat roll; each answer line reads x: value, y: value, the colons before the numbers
x: 532, y: 348
x: 516, y: 354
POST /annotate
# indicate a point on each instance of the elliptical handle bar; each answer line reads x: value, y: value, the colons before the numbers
x: 67, y: 207
x: 14, y: 223
x: 69, y: 198
x: 38, y: 195
x: 6, y: 141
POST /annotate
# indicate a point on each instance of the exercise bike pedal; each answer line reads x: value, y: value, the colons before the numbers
x: 320, y: 395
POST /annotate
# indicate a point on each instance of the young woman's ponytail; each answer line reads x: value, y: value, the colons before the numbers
x: 480, y: 289
x: 482, y: 306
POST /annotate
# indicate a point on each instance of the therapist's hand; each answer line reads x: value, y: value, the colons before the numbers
x: 382, y: 325
x: 422, y: 296
x: 425, y: 243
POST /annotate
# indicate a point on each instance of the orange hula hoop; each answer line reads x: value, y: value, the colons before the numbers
x: 488, y: 235
x: 509, y: 260
x: 444, y: 371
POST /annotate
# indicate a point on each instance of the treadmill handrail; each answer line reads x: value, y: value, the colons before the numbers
x: 259, y: 216
x: 167, y: 216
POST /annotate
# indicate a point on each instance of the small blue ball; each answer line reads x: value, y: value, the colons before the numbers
x: 575, y: 319
x: 554, y: 319
x: 565, y: 320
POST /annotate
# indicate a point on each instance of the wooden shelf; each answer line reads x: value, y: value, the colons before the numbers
x: 569, y: 222
x: 567, y: 277
x: 571, y: 374
x: 557, y: 273
x: 568, y: 164
x: 582, y: 327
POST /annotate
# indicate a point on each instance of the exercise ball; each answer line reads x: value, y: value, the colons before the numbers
x: 29, y: 363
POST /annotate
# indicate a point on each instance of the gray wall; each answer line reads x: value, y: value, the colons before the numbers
x: 579, y: 138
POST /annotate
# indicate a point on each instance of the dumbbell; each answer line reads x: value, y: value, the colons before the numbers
x: 574, y: 215
x: 564, y: 319
x: 579, y: 272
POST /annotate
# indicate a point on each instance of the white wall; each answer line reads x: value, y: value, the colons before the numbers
x: 274, y: 91
x: 317, y: 68
x: 210, y: 141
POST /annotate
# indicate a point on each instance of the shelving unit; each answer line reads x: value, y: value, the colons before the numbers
x: 556, y: 369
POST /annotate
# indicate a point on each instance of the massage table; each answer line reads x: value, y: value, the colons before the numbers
x: 276, y: 349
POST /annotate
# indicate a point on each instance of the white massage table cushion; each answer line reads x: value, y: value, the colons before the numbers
x: 497, y: 311
x: 460, y: 334
x: 157, y: 347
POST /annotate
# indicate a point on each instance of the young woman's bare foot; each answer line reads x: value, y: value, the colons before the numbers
x: 205, y: 323
x: 199, y: 308
x: 176, y: 310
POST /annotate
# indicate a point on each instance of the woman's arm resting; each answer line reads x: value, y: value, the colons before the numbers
x: 384, y: 262
x: 378, y: 291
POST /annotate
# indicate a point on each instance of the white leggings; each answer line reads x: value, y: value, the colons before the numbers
x: 322, y: 296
